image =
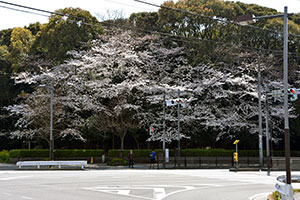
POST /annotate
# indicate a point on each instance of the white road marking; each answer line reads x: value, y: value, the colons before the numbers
x: 8, y: 194
x: 24, y: 197
x: 12, y: 178
x: 257, y: 195
x: 117, y: 190
x: 186, y: 188
x: 123, y: 192
x: 159, y: 193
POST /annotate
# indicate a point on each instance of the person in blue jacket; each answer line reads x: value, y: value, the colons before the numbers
x: 152, y: 159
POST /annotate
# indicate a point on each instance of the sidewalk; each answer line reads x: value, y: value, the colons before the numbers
x: 9, y: 166
x: 104, y: 166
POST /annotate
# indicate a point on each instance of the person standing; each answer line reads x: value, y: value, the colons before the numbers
x: 152, y: 159
x: 131, y: 158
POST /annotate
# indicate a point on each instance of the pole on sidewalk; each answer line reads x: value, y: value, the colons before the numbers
x: 164, y: 129
x: 260, y: 142
x: 285, y: 83
x: 178, y: 123
x: 267, y: 131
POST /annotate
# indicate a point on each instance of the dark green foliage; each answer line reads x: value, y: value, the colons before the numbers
x: 62, y: 34
x: 79, y: 153
x: 5, y: 37
x: 23, y: 153
x: 137, y: 153
x: 276, y: 195
x: 200, y: 152
x: 118, y: 162
x: 4, y: 156
x: 206, y: 152
x: 144, y: 20
x: 186, y: 152
x: 60, y: 153
x: 183, y: 24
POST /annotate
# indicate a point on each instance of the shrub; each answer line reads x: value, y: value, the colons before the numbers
x: 4, y: 156
x: 118, y: 162
x: 23, y: 153
x: 137, y: 153
x: 59, y: 153
x: 78, y: 153
x: 206, y: 152
x: 276, y: 195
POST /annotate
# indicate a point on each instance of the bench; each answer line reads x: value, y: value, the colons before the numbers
x: 81, y: 163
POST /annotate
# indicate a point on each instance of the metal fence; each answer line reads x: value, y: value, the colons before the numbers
x: 277, y: 163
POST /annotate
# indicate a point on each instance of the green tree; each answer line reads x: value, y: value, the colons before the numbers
x: 21, y: 41
x: 62, y: 34
x: 145, y: 20
x: 4, y: 53
x: 5, y: 37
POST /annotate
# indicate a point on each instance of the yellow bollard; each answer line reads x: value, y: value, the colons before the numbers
x: 92, y: 160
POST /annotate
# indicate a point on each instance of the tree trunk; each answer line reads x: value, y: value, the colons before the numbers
x: 113, y: 141
x: 122, y: 137
x: 136, y: 141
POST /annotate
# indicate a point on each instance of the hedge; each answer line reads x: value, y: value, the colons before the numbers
x: 79, y: 153
x: 184, y: 152
x: 59, y: 153
x: 118, y: 162
x: 200, y: 152
x: 137, y: 153
x: 4, y: 156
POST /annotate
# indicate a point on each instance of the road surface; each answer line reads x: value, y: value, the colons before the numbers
x: 133, y: 184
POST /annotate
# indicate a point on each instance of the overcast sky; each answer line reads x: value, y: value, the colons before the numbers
x: 10, y: 18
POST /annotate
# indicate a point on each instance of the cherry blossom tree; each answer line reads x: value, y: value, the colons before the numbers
x: 120, y: 81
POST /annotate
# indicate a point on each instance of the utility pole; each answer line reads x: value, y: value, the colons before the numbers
x: 51, y: 146
x: 178, y: 123
x: 260, y: 142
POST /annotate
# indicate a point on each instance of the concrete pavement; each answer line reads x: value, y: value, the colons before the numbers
x: 125, y: 184
x: 252, y: 185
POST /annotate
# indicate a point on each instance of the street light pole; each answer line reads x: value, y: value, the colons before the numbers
x: 267, y: 130
x: 250, y: 18
x: 260, y: 142
x: 285, y: 83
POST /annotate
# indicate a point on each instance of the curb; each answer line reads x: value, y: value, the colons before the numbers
x: 261, y: 196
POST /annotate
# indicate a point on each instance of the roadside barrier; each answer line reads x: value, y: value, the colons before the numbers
x: 81, y: 163
x: 286, y: 190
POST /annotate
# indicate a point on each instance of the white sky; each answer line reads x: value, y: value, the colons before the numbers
x: 10, y: 18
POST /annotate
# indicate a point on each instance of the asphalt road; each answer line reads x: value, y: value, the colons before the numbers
x: 133, y: 184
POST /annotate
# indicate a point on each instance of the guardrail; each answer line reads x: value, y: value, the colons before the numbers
x: 286, y: 190
x: 81, y: 163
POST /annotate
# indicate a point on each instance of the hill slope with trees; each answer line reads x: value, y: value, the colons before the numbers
x: 112, y: 82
